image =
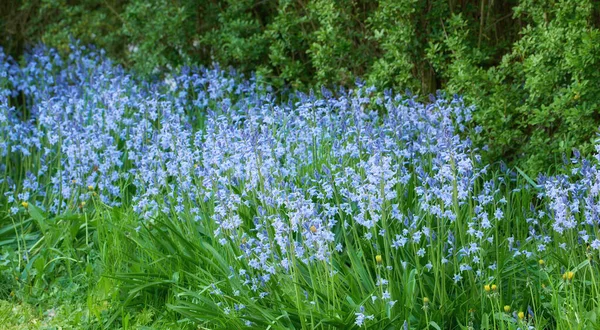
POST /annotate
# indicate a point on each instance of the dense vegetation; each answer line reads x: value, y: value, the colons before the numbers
x: 532, y: 67
x: 199, y: 200
x: 252, y: 165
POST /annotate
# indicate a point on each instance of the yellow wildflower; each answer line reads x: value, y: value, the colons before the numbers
x: 568, y: 276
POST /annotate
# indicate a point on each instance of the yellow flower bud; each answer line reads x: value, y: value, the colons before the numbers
x: 25, y: 204
x: 378, y: 258
x: 487, y: 288
x: 494, y: 287
x: 568, y: 276
x: 521, y: 315
x: 507, y: 308
x: 313, y: 229
x: 90, y: 187
x: 425, y: 300
x: 541, y: 262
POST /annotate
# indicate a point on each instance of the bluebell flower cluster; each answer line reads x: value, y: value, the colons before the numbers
x: 281, y: 183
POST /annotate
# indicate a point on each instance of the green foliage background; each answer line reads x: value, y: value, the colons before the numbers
x: 532, y: 67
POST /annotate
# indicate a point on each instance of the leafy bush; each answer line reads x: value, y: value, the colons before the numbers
x: 543, y: 98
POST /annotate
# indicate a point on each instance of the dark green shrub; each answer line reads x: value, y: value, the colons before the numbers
x: 543, y: 98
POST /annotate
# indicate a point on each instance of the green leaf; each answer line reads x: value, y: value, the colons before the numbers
x: 38, y: 215
x: 435, y: 325
x: 531, y: 182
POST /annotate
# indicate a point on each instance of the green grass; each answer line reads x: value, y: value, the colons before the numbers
x: 91, y: 268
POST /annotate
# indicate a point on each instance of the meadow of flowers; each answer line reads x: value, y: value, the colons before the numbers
x: 204, y: 199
